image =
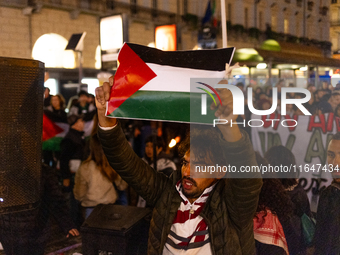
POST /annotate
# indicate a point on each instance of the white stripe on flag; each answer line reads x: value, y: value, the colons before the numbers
x: 176, y: 79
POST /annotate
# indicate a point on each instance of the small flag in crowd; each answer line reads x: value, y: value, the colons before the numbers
x: 210, y: 13
x: 50, y: 129
x: 155, y: 85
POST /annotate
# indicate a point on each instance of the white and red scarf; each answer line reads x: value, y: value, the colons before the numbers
x: 189, y: 232
x: 268, y: 230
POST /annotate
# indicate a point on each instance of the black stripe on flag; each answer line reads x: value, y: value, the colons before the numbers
x: 213, y: 60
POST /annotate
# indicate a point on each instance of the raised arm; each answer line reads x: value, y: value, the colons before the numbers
x: 146, y: 181
x: 242, y: 189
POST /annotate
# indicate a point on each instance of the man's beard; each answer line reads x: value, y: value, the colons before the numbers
x: 194, y: 194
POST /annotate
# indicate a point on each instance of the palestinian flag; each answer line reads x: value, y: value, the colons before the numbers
x: 52, y: 134
x: 50, y: 129
x: 155, y: 85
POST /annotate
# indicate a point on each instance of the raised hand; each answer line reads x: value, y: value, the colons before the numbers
x: 102, y: 97
x: 230, y: 131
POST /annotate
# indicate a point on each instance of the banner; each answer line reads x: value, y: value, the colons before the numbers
x: 308, y: 141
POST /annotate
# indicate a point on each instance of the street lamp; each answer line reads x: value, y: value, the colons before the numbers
x: 76, y: 43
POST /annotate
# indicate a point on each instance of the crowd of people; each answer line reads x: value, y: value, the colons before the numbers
x: 324, y: 99
x: 225, y: 215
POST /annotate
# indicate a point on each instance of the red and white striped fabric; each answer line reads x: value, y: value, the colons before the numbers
x: 269, y: 230
x: 189, y: 232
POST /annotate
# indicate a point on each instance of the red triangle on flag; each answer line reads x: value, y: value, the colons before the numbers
x: 132, y: 74
x: 50, y: 129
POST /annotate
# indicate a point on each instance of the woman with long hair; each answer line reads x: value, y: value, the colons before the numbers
x: 96, y: 181
x: 56, y: 110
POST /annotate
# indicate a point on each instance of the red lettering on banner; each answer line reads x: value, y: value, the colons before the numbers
x: 337, y: 122
x: 267, y: 123
x: 312, y: 124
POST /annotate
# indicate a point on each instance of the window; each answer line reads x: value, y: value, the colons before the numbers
x: 229, y: 12
x: 245, y: 17
x: 274, y: 22
x: 185, y: 7
x: 286, y: 26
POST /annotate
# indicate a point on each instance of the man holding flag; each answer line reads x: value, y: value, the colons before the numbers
x: 191, y: 215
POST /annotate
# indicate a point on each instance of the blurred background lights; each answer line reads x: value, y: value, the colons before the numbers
x: 50, y: 49
x: 52, y: 84
x: 261, y: 66
x: 175, y: 141
x: 92, y: 84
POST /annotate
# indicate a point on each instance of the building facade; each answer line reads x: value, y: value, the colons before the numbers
x: 40, y: 29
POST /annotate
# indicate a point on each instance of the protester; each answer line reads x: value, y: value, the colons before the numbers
x: 83, y: 107
x: 331, y: 104
x: 164, y: 164
x: 56, y: 111
x: 327, y: 231
x: 222, y: 209
x: 27, y: 232
x: 273, y: 212
x: 95, y: 180
x: 47, y: 97
x: 72, y: 154
x: 281, y: 156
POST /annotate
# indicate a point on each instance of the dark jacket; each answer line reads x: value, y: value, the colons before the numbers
x: 28, y: 229
x: 228, y: 212
x: 56, y: 115
x: 72, y: 147
x: 293, y: 226
x: 327, y: 233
